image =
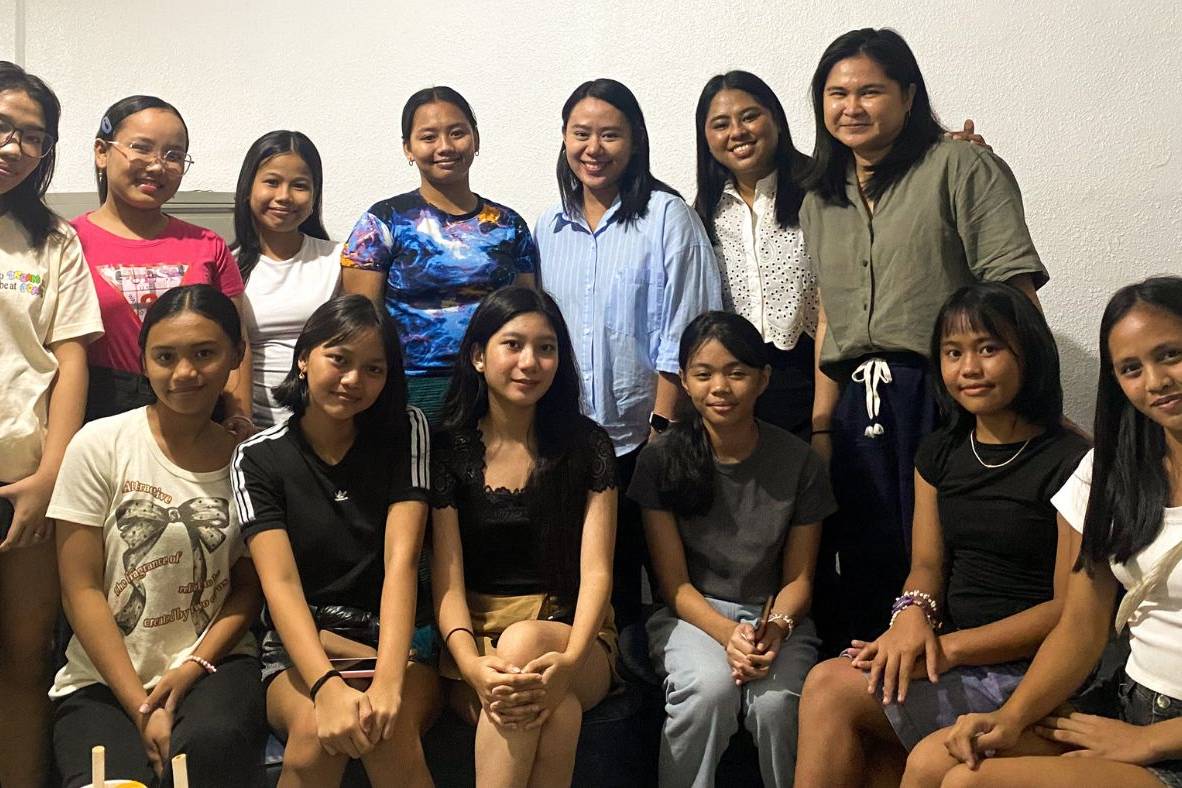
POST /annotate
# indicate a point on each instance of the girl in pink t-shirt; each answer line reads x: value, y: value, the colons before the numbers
x: 136, y: 252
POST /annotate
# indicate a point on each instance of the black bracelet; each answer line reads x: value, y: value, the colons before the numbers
x: 320, y: 682
x: 458, y: 629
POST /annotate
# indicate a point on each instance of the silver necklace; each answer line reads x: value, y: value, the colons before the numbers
x: 973, y: 443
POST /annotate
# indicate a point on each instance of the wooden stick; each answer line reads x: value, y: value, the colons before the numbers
x: 180, y: 771
x: 98, y: 766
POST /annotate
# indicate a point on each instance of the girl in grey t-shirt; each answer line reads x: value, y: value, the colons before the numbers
x: 732, y: 512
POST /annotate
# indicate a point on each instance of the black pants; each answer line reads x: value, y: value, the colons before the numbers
x: 221, y: 726
x: 631, y: 553
x: 788, y: 400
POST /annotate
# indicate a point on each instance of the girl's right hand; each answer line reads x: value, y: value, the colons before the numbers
x: 339, y: 710
x: 895, y: 654
x: 156, y: 734
x: 508, y: 695
x: 739, y: 649
x: 975, y: 737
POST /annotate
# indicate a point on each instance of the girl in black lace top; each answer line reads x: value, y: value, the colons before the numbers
x: 524, y: 487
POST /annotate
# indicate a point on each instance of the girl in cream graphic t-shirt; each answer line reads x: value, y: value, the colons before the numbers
x: 170, y: 538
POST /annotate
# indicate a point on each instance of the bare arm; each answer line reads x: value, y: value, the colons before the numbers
x: 1017, y: 636
x: 81, y: 559
x: 668, y: 391
x: 800, y: 565
x: 371, y: 284
x: 668, y: 556
x: 286, y: 603
x: 239, y: 393
x: 595, y: 572
x: 405, y: 524
x: 1025, y: 283
x: 825, y: 393
x: 67, y: 403
x: 447, y: 585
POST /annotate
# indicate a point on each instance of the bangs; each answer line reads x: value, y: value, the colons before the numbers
x: 977, y: 318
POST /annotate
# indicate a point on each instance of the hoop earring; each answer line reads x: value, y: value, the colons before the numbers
x: 410, y: 162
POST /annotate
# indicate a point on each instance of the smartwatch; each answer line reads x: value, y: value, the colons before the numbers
x: 658, y: 422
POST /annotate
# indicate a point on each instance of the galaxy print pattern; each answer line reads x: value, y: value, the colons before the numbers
x: 438, y: 267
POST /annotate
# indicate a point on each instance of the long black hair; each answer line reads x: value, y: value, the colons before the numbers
x: 334, y: 322
x: 685, y: 482
x: 562, y: 468
x: 113, y: 118
x: 791, y: 165
x: 429, y: 96
x: 246, y: 244
x: 26, y: 200
x: 1007, y: 314
x: 1130, y: 486
x: 637, y: 182
x: 920, y: 131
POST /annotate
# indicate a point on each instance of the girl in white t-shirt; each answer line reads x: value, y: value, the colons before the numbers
x: 289, y: 265
x: 155, y: 577
x: 48, y: 314
x: 1126, y: 497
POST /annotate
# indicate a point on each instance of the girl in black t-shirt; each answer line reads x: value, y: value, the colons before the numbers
x: 524, y: 499
x: 990, y: 556
x: 333, y: 507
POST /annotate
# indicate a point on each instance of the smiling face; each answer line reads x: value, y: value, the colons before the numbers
x: 187, y: 359
x: 345, y: 379
x: 864, y: 108
x: 722, y: 388
x: 519, y: 361
x: 282, y: 194
x: 979, y: 370
x: 1146, y: 350
x: 136, y: 173
x: 442, y: 143
x: 22, y: 112
x: 741, y: 134
x: 598, y: 140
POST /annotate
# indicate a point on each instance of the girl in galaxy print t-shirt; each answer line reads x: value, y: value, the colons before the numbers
x: 432, y: 254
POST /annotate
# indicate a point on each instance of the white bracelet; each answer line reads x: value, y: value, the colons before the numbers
x: 786, y: 621
x: 204, y: 663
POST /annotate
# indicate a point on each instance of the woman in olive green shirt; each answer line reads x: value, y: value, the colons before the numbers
x: 897, y: 218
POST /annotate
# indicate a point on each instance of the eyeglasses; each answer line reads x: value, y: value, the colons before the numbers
x: 34, y: 143
x: 174, y: 159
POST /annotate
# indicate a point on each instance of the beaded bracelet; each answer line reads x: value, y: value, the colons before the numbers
x: 786, y: 622
x: 204, y: 663
x: 920, y: 599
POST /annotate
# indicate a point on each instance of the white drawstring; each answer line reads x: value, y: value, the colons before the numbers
x: 870, y: 373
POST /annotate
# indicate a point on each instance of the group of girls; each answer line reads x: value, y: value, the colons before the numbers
x: 548, y: 410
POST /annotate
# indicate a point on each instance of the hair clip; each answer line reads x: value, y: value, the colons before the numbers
x: 105, y: 125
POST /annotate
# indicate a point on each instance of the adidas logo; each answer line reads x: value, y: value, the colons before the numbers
x: 342, y: 495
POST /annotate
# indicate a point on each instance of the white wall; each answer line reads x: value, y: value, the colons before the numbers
x: 1081, y: 98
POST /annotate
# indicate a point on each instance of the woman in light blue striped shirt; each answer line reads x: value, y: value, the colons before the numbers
x: 630, y: 265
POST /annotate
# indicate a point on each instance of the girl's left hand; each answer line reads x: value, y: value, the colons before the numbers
x: 1099, y: 737
x: 766, y: 651
x: 557, y: 670
x: 172, y: 688
x: 29, y: 498
x: 384, y: 703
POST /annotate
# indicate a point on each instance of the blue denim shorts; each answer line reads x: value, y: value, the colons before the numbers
x: 1140, y: 705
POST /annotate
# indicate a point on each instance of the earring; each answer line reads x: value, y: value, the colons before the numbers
x: 303, y: 375
x: 477, y: 153
x: 410, y: 162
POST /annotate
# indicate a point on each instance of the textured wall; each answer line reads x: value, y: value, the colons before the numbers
x: 1081, y: 98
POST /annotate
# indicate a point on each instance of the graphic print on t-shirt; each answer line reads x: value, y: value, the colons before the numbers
x: 141, y: 285
x: 141, y: 523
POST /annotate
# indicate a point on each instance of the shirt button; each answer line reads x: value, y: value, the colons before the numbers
x: 865, y: 307
x: 865, y: 263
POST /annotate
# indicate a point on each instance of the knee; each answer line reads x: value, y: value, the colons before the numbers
x: 302, y: 752
x: 961, y: 776
x: 521, y: 642
x: 928, y: 762
x: 703, y: 694
x: 832, y: 688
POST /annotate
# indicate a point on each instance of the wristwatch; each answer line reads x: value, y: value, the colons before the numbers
x: 658, y: 422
